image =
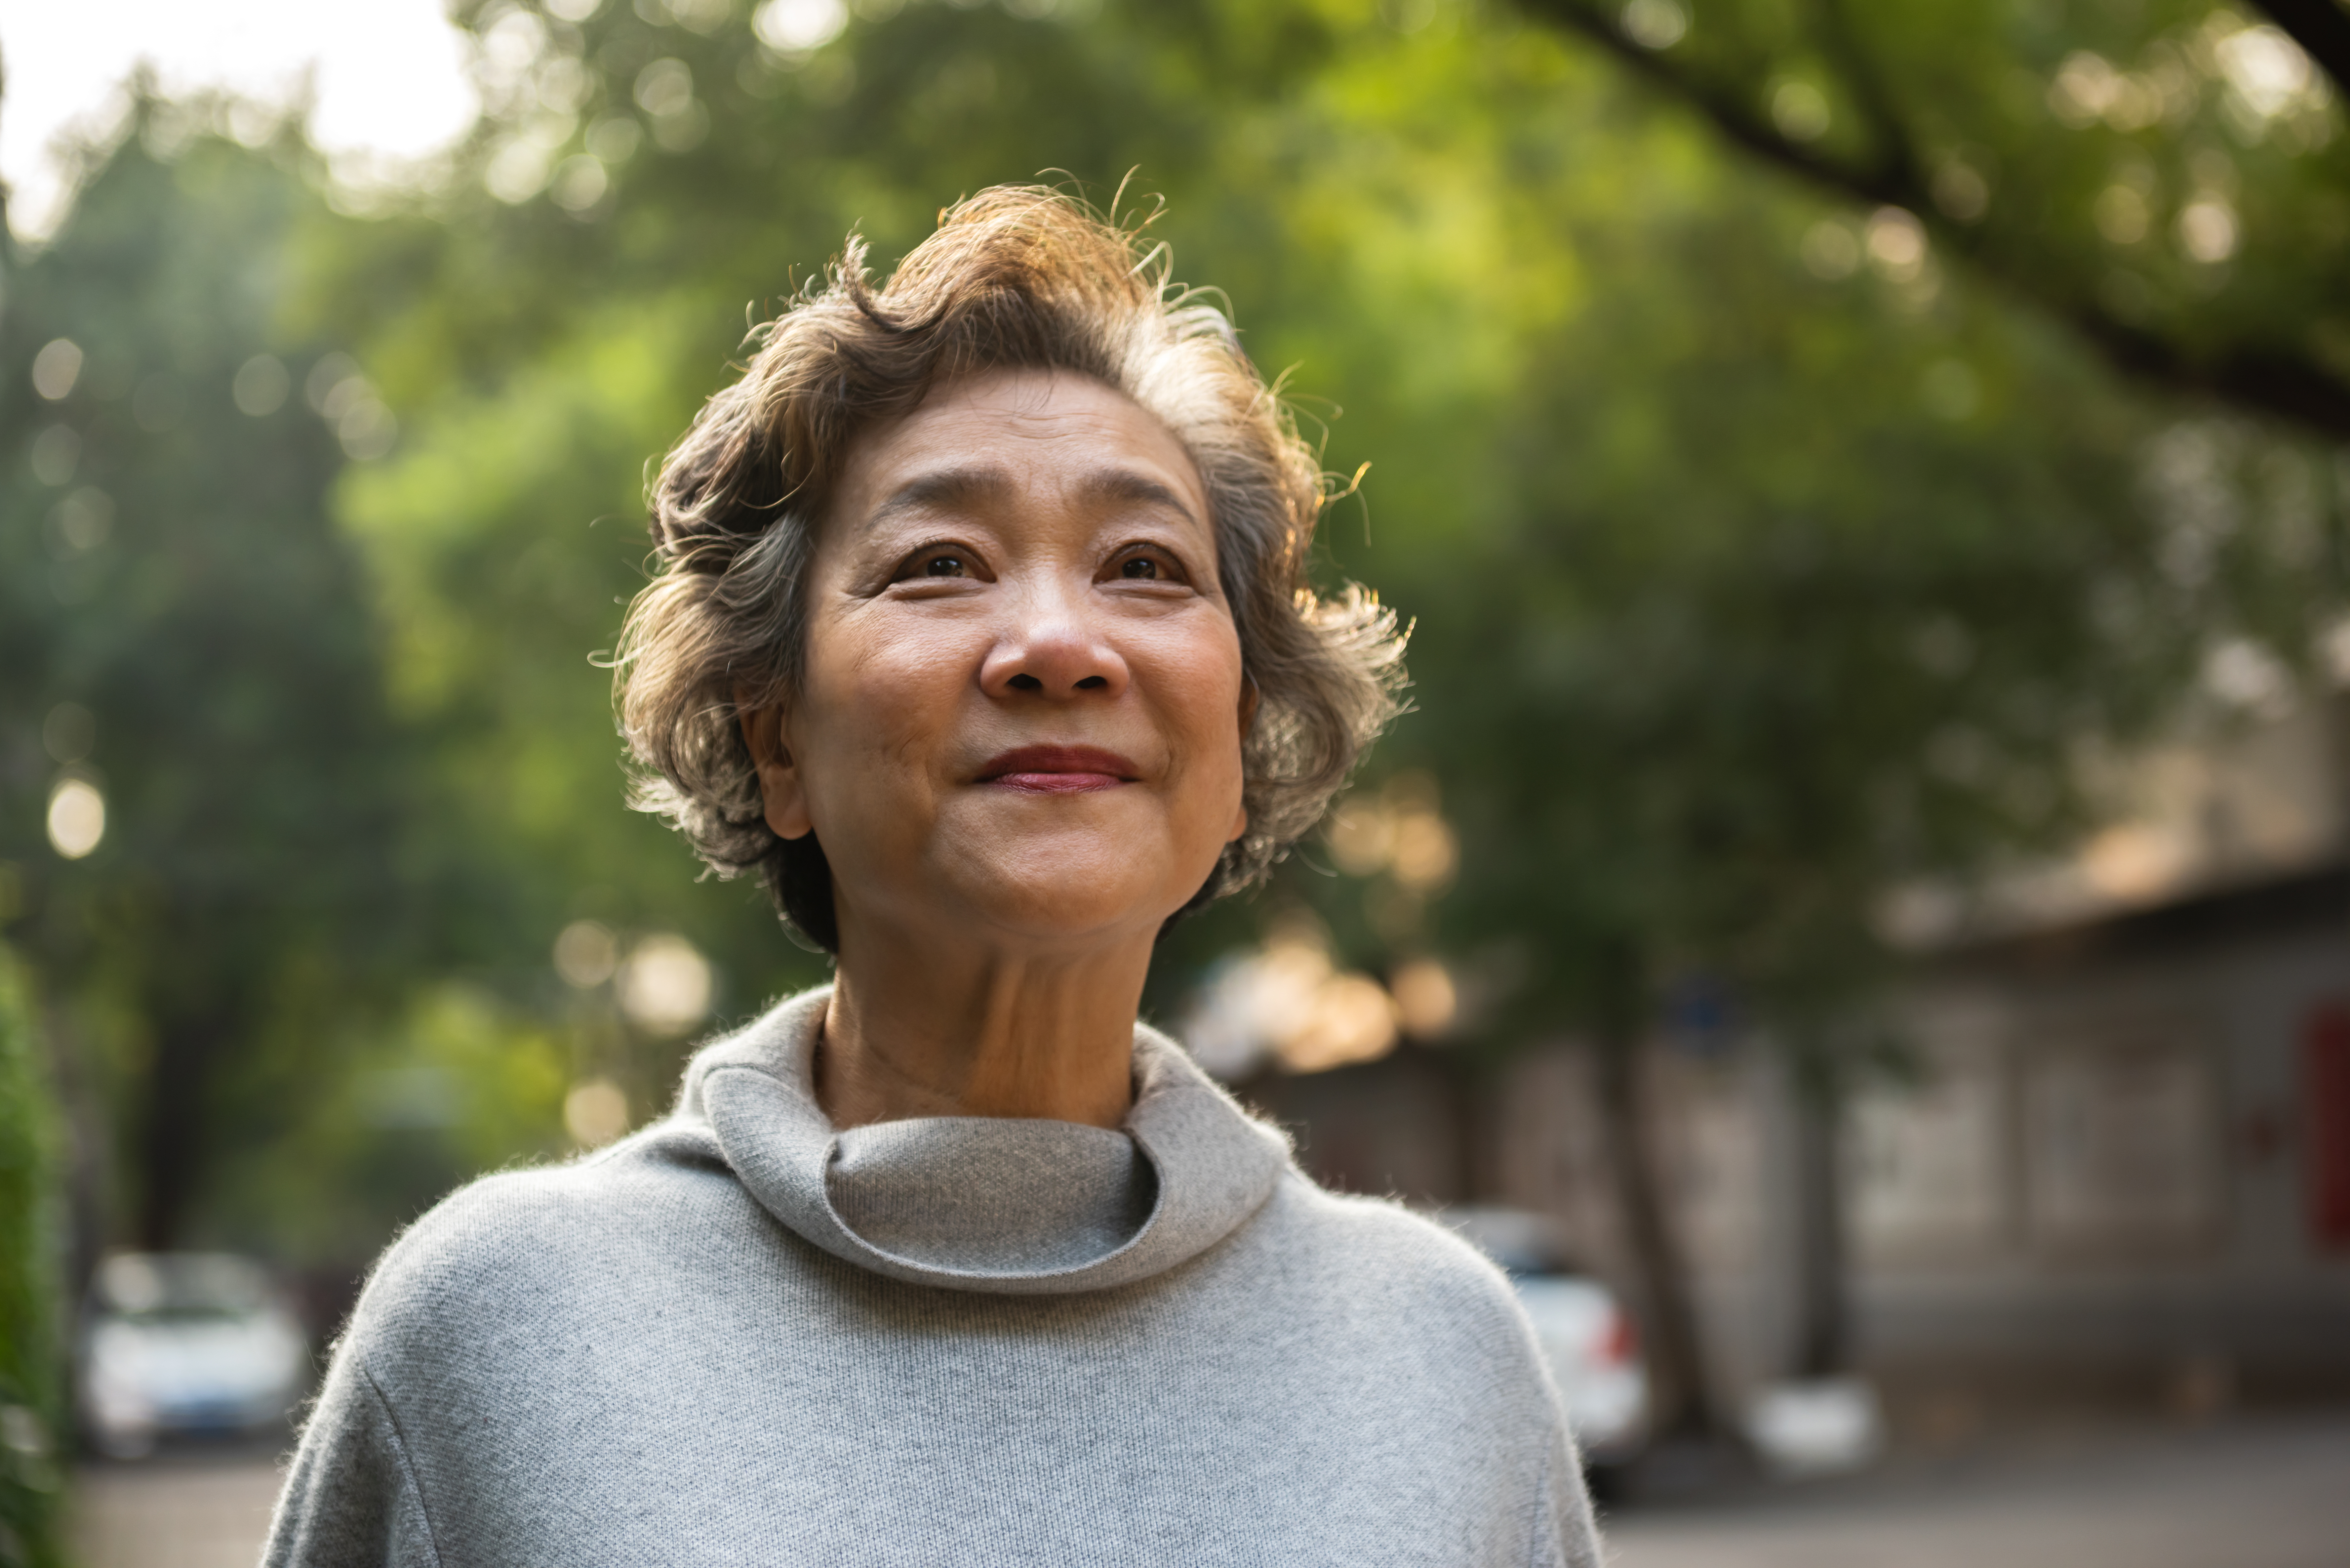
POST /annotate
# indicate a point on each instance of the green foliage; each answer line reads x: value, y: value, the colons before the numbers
x: 2167, y: 176
x: 32, y: 1244
x: 1809, y: 586
x: 505, y: 536
x: 457, y: 1083
x: 176, y: 585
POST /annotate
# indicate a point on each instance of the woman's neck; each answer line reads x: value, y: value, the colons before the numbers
x: 914, y: 1034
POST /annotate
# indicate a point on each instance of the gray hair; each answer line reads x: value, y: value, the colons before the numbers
x: 1014, y: 278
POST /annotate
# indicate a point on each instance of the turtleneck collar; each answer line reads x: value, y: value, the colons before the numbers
x: 985, y: 1203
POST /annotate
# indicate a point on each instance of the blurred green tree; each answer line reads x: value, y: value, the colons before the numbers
x: 196, y: 712
x: 2165, y: 181
x: 2168, y: 179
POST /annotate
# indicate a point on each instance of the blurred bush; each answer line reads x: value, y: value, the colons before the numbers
x: 33, y: 1427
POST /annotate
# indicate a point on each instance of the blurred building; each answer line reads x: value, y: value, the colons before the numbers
x: 2119, y: 1170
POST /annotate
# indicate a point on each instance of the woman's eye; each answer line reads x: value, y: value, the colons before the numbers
x: 1149, y: 564
x: 936, y: 561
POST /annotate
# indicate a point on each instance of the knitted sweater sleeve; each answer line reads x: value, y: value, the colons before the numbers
x: 351, y: 1500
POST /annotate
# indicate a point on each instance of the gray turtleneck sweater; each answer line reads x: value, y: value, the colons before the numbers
x: 742, y: 1337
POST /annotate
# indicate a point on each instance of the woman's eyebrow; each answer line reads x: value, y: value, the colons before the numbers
x: 965, y: 488
x: 1124, y: 484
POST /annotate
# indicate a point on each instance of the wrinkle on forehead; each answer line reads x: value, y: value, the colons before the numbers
x: 1020, y: 402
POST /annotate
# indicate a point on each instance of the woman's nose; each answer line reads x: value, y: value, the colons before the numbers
x: 1050, y: 651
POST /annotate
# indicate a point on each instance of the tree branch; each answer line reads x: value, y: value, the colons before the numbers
x: 1897, y: 153
x: 1735, y: 120
x: 2322, y: 29
x: 2281, y: 385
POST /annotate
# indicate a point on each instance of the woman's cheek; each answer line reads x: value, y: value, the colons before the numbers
x: 1210, y: 720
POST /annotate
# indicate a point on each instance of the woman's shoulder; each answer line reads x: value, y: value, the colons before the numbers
x: 506, y: 1240
x: 1378, y: 1242
x: 1379, y: 1275
x: 1385, y: 1225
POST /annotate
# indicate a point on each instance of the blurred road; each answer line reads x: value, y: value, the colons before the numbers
x: 2271, y: 1493
x: 192, y: 1510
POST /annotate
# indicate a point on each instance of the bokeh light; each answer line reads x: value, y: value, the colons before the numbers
x: 665, y: 985
x: 76, y: 819
x: 595, y: 1112
x: 586, y: 954
x: 56, y: 369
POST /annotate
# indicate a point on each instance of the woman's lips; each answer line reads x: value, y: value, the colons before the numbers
x: 1059, y: 770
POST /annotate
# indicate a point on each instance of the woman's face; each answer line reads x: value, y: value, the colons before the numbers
x: 1023, y: 703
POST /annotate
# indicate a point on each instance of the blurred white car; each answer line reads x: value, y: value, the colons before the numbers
x: 187, y: 1343
x: 1591, y: 1342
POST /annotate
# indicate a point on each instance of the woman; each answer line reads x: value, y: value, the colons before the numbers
x: 983, y: 640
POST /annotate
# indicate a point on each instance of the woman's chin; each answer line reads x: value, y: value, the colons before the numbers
x: 1060, y: 892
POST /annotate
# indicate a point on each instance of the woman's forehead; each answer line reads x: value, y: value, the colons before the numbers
x: 987, y: 439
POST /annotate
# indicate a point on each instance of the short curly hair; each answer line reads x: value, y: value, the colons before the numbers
x: 1014, y: 278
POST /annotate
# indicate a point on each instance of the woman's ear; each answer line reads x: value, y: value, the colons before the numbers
x: 780, y: 789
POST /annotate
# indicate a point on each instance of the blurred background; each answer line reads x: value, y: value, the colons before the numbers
x: 1857, y: 920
